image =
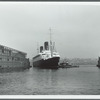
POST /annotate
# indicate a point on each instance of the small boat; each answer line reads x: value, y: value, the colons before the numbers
x: 66, y: 65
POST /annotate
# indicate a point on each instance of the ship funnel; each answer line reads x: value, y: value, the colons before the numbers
x: 46, y: 46
x: 41, y: 48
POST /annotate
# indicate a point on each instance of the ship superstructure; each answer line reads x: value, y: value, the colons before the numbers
x: 47, y: 57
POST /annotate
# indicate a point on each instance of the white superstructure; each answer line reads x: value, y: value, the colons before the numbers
x: 46, y: 53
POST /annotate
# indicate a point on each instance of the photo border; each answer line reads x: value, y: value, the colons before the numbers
x: 51, y: 97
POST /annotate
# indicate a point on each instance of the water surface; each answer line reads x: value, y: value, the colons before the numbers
x: 84, y: 80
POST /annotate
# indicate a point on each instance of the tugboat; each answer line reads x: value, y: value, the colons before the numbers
x: 47, y: 56
x: 65, y: 64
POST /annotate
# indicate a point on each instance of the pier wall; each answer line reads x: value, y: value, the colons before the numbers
x: 12, y: 58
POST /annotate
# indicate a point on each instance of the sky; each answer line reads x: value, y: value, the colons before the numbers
x: 75, y: 27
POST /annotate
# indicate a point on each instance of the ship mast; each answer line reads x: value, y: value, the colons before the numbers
x: 50, y: 42
x: 37, y: 48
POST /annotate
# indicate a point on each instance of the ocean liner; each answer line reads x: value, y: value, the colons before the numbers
x: 47, y: 56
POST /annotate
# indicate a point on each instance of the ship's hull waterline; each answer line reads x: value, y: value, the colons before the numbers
x: 49, y: 63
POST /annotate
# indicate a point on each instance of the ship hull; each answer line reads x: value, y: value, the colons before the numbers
x: 49, y: 63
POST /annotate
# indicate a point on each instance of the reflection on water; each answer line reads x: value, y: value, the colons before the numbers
x: 84, y: 80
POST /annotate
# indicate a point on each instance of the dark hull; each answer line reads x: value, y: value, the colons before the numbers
x: 49, y: 63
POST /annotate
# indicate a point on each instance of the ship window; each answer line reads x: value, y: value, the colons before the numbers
x: 43, y: 54
x: 0, y: 66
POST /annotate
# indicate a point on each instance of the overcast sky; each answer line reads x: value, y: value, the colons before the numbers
x: 75, y: 27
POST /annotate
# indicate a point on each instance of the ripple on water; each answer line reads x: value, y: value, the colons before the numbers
x: 84, y: 80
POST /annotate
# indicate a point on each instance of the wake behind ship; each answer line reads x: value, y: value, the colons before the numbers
x: 47, y: 57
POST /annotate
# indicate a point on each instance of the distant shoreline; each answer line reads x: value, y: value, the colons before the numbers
x: 81, y: 61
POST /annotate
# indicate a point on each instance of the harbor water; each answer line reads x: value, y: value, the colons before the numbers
x: 84, y: 80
